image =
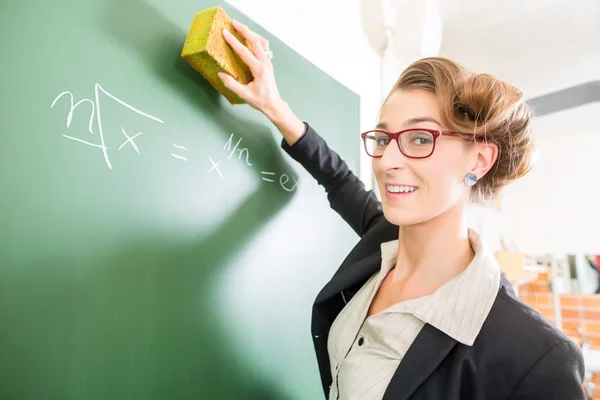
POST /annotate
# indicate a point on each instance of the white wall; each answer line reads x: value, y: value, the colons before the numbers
x: 556, y: 208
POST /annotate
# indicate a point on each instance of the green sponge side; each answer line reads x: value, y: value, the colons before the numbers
x: 206, y: 50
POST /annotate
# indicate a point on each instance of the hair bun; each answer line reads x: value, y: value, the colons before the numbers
x: 487, y: 100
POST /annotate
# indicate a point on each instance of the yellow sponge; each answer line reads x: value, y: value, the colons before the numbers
x: 207, y: 51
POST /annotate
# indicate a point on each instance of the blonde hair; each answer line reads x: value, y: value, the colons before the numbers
x: 483, y: 106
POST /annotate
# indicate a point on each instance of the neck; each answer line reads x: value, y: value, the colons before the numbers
x: 433, y: 252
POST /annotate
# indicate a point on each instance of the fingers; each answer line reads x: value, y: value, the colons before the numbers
x: 265, y: 44
x: 245, y: 54
x: 255, y: 40
x: 235, y: 86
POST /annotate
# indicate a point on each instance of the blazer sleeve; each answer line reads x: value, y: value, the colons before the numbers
x: 557, y: 375
x: 346, y: 193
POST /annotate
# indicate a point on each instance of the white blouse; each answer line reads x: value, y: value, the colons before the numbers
x: 365, y: 354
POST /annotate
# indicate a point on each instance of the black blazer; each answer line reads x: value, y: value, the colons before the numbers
x: 518, y: 354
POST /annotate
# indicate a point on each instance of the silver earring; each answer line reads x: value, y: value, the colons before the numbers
x: 470, y: 179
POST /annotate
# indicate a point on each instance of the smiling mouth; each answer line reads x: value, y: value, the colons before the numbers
x: 400, y: 189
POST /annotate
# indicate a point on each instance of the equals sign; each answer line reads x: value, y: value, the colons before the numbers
x: 268, y: 174
x: 182, y: 148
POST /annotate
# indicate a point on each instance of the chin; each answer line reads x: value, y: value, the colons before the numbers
x: 403, y: 217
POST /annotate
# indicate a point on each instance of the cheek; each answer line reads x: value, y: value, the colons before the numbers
x: 443, y: 179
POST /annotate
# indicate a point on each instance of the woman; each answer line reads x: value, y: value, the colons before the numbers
x: 419, y: 308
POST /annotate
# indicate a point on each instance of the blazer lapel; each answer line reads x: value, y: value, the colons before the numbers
x: 362, y: 262
x: 430, y: 347
x: 350, y: 275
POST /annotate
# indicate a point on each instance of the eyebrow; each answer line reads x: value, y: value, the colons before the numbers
x: 410, y: 121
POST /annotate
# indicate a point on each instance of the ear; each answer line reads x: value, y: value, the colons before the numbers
x: 485, y: 155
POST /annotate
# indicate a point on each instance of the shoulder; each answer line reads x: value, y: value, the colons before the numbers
x: 514, y: 323
x: 525, y: 350
x: 523, y: 340
x: 517, y: 320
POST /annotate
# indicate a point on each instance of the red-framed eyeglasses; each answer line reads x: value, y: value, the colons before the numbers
x: 413, y: 143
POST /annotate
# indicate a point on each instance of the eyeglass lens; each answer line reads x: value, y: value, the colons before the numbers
x: 414, y: 143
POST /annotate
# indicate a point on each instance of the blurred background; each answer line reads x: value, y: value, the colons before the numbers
x: 544, y: 227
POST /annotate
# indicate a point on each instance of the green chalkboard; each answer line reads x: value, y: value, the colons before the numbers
x: 155, y: 241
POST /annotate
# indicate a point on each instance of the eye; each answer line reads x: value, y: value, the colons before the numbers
x: 421, y: 139
x: 382, y: 140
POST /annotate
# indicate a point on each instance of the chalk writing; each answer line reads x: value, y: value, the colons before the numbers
x: 95, y: 111
x: 130, y: 140
x: 215, y: 167
x: 268, y: 173
x: 74, y: 106
x: 241, y: 151
x: 232, y: 146
x: 284, y: 179
x: 181, y: 148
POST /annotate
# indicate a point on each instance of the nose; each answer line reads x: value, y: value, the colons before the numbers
x: 392, y: 157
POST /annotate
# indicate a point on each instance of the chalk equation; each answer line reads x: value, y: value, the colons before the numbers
x: 95, y: 112
x: 179, y: 157
x: 243, y: 154
x: 179, y: 152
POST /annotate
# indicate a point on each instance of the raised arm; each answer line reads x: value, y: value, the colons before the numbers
x: 346, y: 193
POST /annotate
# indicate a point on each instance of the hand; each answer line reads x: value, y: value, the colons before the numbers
x: 262, y: 93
